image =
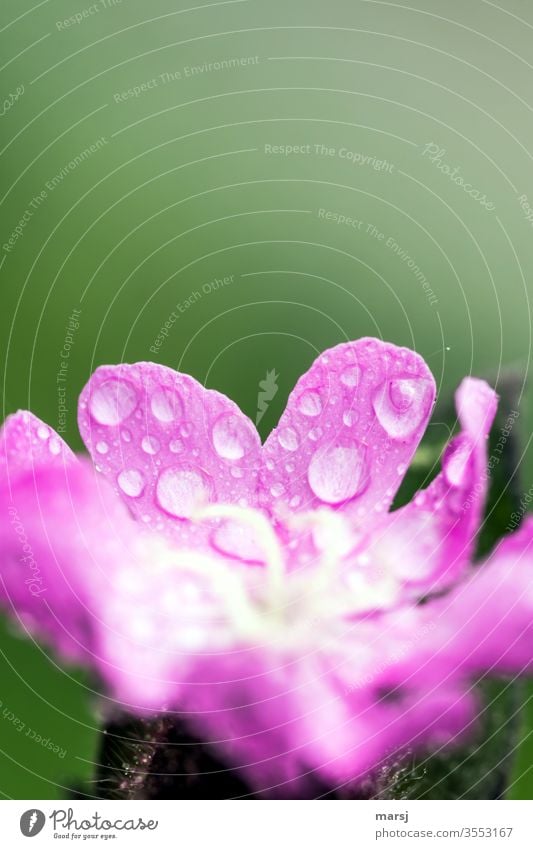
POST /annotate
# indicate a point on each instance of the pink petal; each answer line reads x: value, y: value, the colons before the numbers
x: 61, y: 535
x: 26, y: 441
x: 168, y: 445
x: 429, y: 541
x: 490, y: 615
x: 350, y: 429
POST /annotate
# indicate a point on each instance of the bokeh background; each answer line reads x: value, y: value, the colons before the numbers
x: 197, y: 159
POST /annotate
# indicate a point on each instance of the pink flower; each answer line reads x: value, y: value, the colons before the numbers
x: 267, y: 593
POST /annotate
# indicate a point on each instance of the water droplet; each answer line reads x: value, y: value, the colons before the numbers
x: 131, y: 482
x: 166, y: 405
x: 54, y: 446
x: 289, y: 467
x: 351, y: 376
x: 288, y: 439
x: 102, y: 447
x: 337, y: 473
x: 43, y: 432
x: 112, y: 402
x: 349, y: 418
x: 401, y: 405
x: 238, y: 541
x: 315, y: 434
x: 310, y: 404
x: 401, y: 468
x: 176, y: 446
x: 231, y: 436
x: 277, y: 489
x: 186, y: 430
x: 456, y: 464
x: 126, y: 435
x: 295, y: 501
x: 181, y: 490
x: 236, y: 472
x: 150, y: 445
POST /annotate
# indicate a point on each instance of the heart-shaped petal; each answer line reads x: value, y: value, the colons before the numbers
x: 350, y: 429
x: 169, y: 446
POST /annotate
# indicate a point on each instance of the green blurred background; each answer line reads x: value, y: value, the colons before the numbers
x: 146, y: 149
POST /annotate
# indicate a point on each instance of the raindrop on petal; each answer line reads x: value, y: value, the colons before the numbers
x: 310, y: 404
x: 150, y: 445
x: 166, y: 406
x: 231, y: 436
x: 401, y: 405
x: 112, y: 402
x: 337, y: 473
x: 288, y: 439
x: 181, y: 490
x: 351, y: 376
x: 131, y: 482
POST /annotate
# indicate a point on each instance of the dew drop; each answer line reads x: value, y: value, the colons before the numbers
x: 150, y: 445
x: 315, y: 434
x: 231, y: 436
x: 131, y: 482
x: 401, y: 405
x: 295, y: 501
x: 126, y: 435
x: 176, y: 446
x: 166, y: 406
x: 310, y: 404
x: 288, y: 439
x: 456, y: 464
x: 43, y: 432
x: 186, y: 430
x: 181, y: 490
x: 54, y: 446
x: 112, y: 402
x: 351, y: 376
x: 102, y: 447
x: 337, y: 473
x: 349, y: 418
x: 277, y: 489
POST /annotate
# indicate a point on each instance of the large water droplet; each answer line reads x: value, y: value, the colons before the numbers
x: 231, y: 437
x: 150, y: 445
x: 131, y: 482
x: 54, y: 446
x: 349, y: 418
x: 102, y: 447
x: 166, y: 406
x: 310, y: 404
x: 288, y: 439
x: 112, y: 402
x: 401, y: 405
x: 456, y: 464
x: 337, y: 473
x: 351, y: 376
x: 181, y: 490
